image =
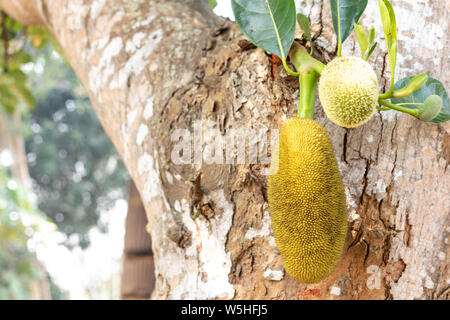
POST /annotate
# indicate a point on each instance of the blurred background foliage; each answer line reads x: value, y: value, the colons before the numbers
x: 18, y: 219
x: 13, y: 81
x: 74, y: 169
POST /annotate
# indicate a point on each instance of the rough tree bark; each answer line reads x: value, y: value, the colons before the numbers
x: 151, y: 67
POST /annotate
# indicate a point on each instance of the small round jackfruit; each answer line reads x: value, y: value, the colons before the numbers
x: 307, y: 201
x: 431, y: 108
x: 348, y: 91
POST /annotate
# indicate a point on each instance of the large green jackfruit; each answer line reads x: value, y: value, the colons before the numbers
x: 307, y: 201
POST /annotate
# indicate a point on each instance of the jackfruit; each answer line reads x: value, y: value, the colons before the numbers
x: 431, y: 108
x: 307, y: 201
x: 348, y: 91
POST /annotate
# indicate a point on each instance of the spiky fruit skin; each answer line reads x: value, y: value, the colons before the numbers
x: 307, y: 201
x: 348, y: 91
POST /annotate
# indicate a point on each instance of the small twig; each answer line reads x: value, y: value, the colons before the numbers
x: 5, y: 40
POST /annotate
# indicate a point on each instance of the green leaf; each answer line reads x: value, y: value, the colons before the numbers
x: 305, y: 25
x: 345, y: 13
x: 431, y: 87
x: 8, y: 108
x: 390, y: 33
x: 24, y: 94
x: 362, y: 39
x: 269, y: 24
x: 371, y: 35
x: 16, y: 75
x: 13, y: 89
x: 17, y: 59
x: 372, y: 48
x: 8, y: 100
x: 5, y: 93
x: 385, y: 19
x: 212, y: 3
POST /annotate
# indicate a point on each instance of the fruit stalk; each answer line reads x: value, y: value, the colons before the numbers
x: 413, y: 112
x: 303, y: 61
x: 308, y: 85
x: 310, y: 70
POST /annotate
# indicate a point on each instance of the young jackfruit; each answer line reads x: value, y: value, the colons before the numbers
x: 431, y: 108
x: 348, y: 91
x: 307, y: 201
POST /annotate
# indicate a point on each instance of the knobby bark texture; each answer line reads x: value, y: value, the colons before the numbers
x: 152, y: 67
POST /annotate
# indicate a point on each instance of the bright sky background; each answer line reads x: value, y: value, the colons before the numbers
x: 224, y: 9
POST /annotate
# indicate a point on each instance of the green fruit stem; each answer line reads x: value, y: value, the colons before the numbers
x: 386, y: 95
x: 303, y: 61
x: 288, y: 70
x: 308, y: 85
x: 413, y: 112
x: 309, y: 69
x: 410, y: 104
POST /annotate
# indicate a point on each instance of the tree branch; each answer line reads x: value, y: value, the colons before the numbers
x: 24, y: 11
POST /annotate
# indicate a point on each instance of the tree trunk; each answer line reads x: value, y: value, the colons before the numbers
x: 11, y: 140
x: 152, y: 67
